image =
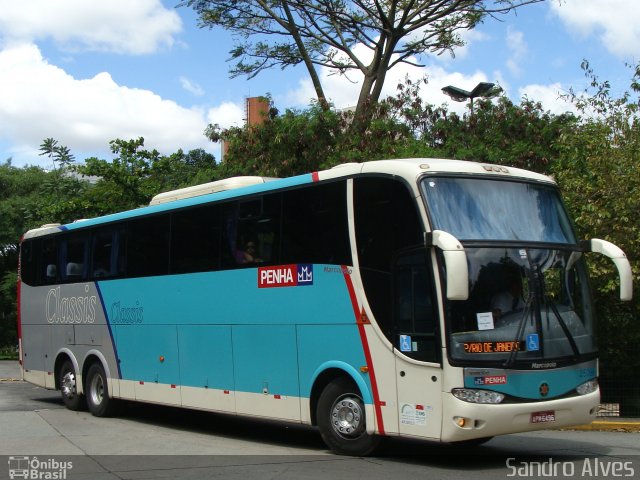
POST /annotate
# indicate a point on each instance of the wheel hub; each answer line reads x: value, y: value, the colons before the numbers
x: 346, y: 417
x: 68, y: 386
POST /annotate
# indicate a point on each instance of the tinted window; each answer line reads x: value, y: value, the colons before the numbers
x: 148, y: 246
x: 387, y: 222
x: 48, y: 265
x: 74, y: 251
x: 314, y: 226
x: 108, y: 253
x: 414, y: 307
x: 28, y: 261
x: 251, y: 232
x: 195, y: 240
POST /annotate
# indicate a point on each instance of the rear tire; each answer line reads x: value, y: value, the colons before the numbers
x: 98, y: 400
x: 342, y: 420
x: 67, y: 380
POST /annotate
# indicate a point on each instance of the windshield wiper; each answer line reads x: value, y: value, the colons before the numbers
x: 536, y: 290
x: 520, y: 332
x: 563, y: 326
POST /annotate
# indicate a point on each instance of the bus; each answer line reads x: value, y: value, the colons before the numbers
x: 424, y: 298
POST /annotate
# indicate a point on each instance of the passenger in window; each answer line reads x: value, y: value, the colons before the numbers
x: 510, y: 299
x: 100, y: 270
x: 249, y: 254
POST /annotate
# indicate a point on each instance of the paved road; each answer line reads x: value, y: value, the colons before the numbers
x: 159, y: 442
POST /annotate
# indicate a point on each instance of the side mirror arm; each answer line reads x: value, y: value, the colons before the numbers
x: 455, y: 259
x: 620, y: 260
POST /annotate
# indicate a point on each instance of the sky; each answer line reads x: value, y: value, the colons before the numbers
x: 85, y: 72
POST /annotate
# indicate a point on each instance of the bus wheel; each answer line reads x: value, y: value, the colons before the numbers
x: 68, y: 387
x: 342, y: 420
x: 98, y: 400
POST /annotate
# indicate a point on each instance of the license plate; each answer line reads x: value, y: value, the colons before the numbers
x: 543, y: 417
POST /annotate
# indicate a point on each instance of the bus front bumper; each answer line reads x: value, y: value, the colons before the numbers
x: 466, y: 421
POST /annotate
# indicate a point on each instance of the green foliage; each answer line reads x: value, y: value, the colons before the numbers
x: 135, y: 174
x: 32, y: 196
x: 597, y: 170
x: 56, y: 152
x: 301, y: 141
x: 523, y: 136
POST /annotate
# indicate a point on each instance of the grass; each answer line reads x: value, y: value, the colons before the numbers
x: 8, y: 353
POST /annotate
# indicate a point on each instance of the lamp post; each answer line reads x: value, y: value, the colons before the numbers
x: 482, y: 90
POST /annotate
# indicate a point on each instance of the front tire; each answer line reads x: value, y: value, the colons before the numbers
x: 342, y: 420
x: 67, y: 380
x: 98, y: 400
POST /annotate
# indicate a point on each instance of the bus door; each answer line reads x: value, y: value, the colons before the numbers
x: 417, y: 346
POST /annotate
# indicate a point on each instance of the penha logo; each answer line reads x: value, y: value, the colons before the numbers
x: 285, y: 276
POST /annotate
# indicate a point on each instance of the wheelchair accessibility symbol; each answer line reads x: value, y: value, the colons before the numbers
x: 405, y: 343
x: 533, y: 342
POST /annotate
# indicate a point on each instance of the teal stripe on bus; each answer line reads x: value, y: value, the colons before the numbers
x: 194, y: 201
x: 220, y: 330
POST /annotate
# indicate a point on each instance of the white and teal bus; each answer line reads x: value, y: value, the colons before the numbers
x: 424, y: 298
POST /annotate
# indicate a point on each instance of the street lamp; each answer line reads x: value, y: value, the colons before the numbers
x: 482, y: 90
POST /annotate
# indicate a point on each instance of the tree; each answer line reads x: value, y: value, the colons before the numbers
x: 54, y: 151
x: 597, y: 169
x: 137, y: 174
x: 365, y: 36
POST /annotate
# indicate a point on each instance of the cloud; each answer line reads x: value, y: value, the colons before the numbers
x: 616, y: 22
x: 226, y: 115
x: 116, y: 26
x: 191, y: 87
x: 518, y: 48
x: 40, y: 100
x: 549, y: 97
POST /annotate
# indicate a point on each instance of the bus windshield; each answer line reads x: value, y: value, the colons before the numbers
x: 526, y: 306
x: 527, y: 303
x: 488, y: 209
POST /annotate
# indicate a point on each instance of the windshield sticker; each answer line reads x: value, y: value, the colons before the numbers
x: 485, y: 321
x: 405, y: 343
x: 523, y: 254
x: 493, y: 347
x: 533, y: 342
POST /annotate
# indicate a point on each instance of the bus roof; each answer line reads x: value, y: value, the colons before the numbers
x: 409, y: 169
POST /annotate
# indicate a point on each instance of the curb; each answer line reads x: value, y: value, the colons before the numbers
x: 609, y: 426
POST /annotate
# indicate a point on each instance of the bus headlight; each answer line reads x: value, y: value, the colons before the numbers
x: 587, y: 387
x: 477, y: 396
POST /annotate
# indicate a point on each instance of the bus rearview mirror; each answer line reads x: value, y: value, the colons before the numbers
x: 621, y: 262
x: 455, y: 260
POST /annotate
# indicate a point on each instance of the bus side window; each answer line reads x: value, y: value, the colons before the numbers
x: 251, y: 234
x: 29, y: 261
x: 314, y: 225
x: 49, y: 262
x: 414, y: 307
x: 73, y: 250
x: 195, y: 240
x: 386, y: 221
x: 107, y: 253
x: 148, y: 246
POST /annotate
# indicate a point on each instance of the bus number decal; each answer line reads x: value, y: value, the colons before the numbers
x: 285, y: 276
